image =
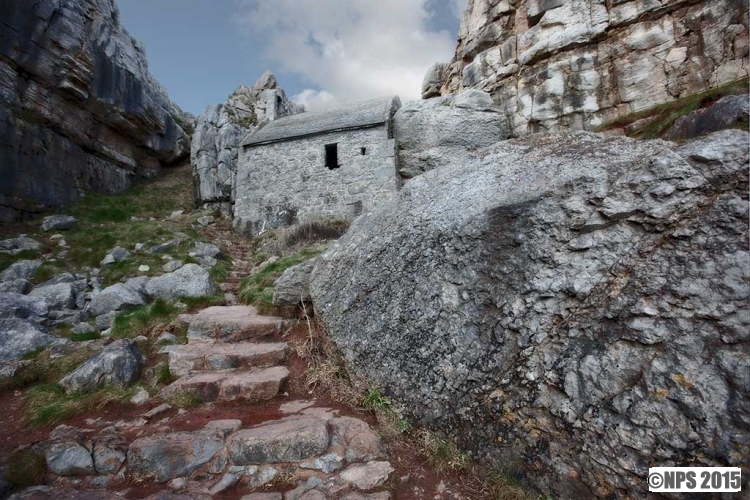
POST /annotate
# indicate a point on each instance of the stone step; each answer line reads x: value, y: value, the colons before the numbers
x: 231, y: 385
x: 211, y: 356
x: 231, y: 324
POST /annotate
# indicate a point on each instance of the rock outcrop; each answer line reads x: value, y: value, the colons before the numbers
x: 562, y: 64
x: 446, y: 130
x: 219, y: 130
x: 728, y: 112
x: 79, y: 110
x: 574, y: 302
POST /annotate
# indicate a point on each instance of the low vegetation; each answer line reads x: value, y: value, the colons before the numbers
x: 26, y: 468
x: 257, y: 288
x: 45, y: 369
x: 184, y: 400
x: 152, y: 319
x: 654, y: 122
x: 48, y: 404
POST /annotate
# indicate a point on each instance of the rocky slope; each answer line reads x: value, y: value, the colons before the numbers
x: 78, y: 108
x: 561, y: 64
x: 571, y: 302
x: 219, y: 130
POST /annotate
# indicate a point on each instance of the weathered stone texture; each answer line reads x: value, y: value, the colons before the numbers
x: 287, y: 182
x: 78, y: 107
x: 573, y: 302
x: 562, y: 64
x: 219, y: 130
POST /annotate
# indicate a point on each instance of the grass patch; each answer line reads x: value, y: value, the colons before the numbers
x: 142, y: 320
x: 45, y: 370
x: 48, y: 404
x: 83, y: 337
x: 185, y: 400
x: 220, y: 271
x: 7, y: 260
x: 163, y: 375
x: 26, y: 468
x: 303, y: 234
x: 197, y: 303
x: 257, y: 289
x: 48, y: 270
x: 442, y: 453
x: 659, y: 119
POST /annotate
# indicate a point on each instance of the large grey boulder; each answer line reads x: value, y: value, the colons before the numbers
x: 442, y: 131
x: 96, y: 118
x: 21, y: 270
x: 68, y: 458
x: 728, y: 112
x: 19, y: 337
x: 293, y: 287
x: 15, y: 305
x: 117, y: 297
x: 219, y: 130
x: 56, y: 295
x: 19, y: 244
x: 570, y: 301
x: 58, y: 222
x: 191, y: 280
x: 119, y: 364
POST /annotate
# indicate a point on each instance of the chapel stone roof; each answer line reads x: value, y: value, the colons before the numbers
x: 353, y: 116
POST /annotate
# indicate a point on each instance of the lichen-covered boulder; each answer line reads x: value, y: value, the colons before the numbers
x: 19, y: 337
x: 191, y: 280
x: 293, y: 287
x: 573, y: 302
x: 117, y: 297
x: 118, y: 364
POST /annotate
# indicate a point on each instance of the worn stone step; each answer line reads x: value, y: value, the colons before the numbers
x: 231, y: 385
x: 231, y: 324
x: 211, y: 356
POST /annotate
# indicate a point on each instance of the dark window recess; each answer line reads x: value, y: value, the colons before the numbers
x: 363, y: 151
x: 279, y: 102
x: 332, y: 156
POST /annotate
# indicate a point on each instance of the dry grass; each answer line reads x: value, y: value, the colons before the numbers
x: 26, y: 468
x: 291, y: 239
x: 48, y: 404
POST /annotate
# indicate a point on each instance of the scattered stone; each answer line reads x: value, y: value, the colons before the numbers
x: 82, y: 328
x: 14, y: 305
x: 190, y: 280
x: 169, y: 456
x: 109, y: 455
x: 327, y: 463
x: 19, y: 286
x: 293, y: 287
x: 229, y: 480
x: 141, y: 397
x: 139, y: 247
x: 119, y: 363
x: 179, y: 483
x: 105, y: 321
x: 176, y: 215
x: 172, y: 265
x: 382, y: 495
x: 117, y: 297
x: 19, y: 337
x: 167, y: 338
x: 207, y: 262
x: 206, y: 221
x: 227, y: 426
x: 162, y: 247
x: 206, y: 250
x: 263, y: 496
x: 144, y: 268
x: 69, y: 459
x: 59, y: 222
x: 162, y: 408
x: 10, y: 369
x: 21, y: 270
x: 56, y: 296
x: 288, y: 440
x: 367, y: 476
x: 260, y: 476
x: 17, y: 245
x: 109, y: 260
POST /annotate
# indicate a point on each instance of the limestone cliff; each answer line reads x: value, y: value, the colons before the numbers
x: 562, y: 64
x: 79, y: 109
x: 219, y: 130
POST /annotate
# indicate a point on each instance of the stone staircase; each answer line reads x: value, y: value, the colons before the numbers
x: 231, y: 354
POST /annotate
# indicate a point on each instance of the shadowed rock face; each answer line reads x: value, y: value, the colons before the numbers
x: 560, y: 64
x: 572, y: 302
x: 78, y: 108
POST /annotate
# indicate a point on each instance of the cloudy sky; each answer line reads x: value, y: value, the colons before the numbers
x: 322, y: 51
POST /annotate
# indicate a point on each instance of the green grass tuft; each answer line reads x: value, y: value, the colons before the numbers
x: 140, y: 320
x: 185, y: 400
x: 48, y: 404
x: 257, y: 289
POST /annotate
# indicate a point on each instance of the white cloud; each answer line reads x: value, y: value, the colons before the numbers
x: 350, y: 49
